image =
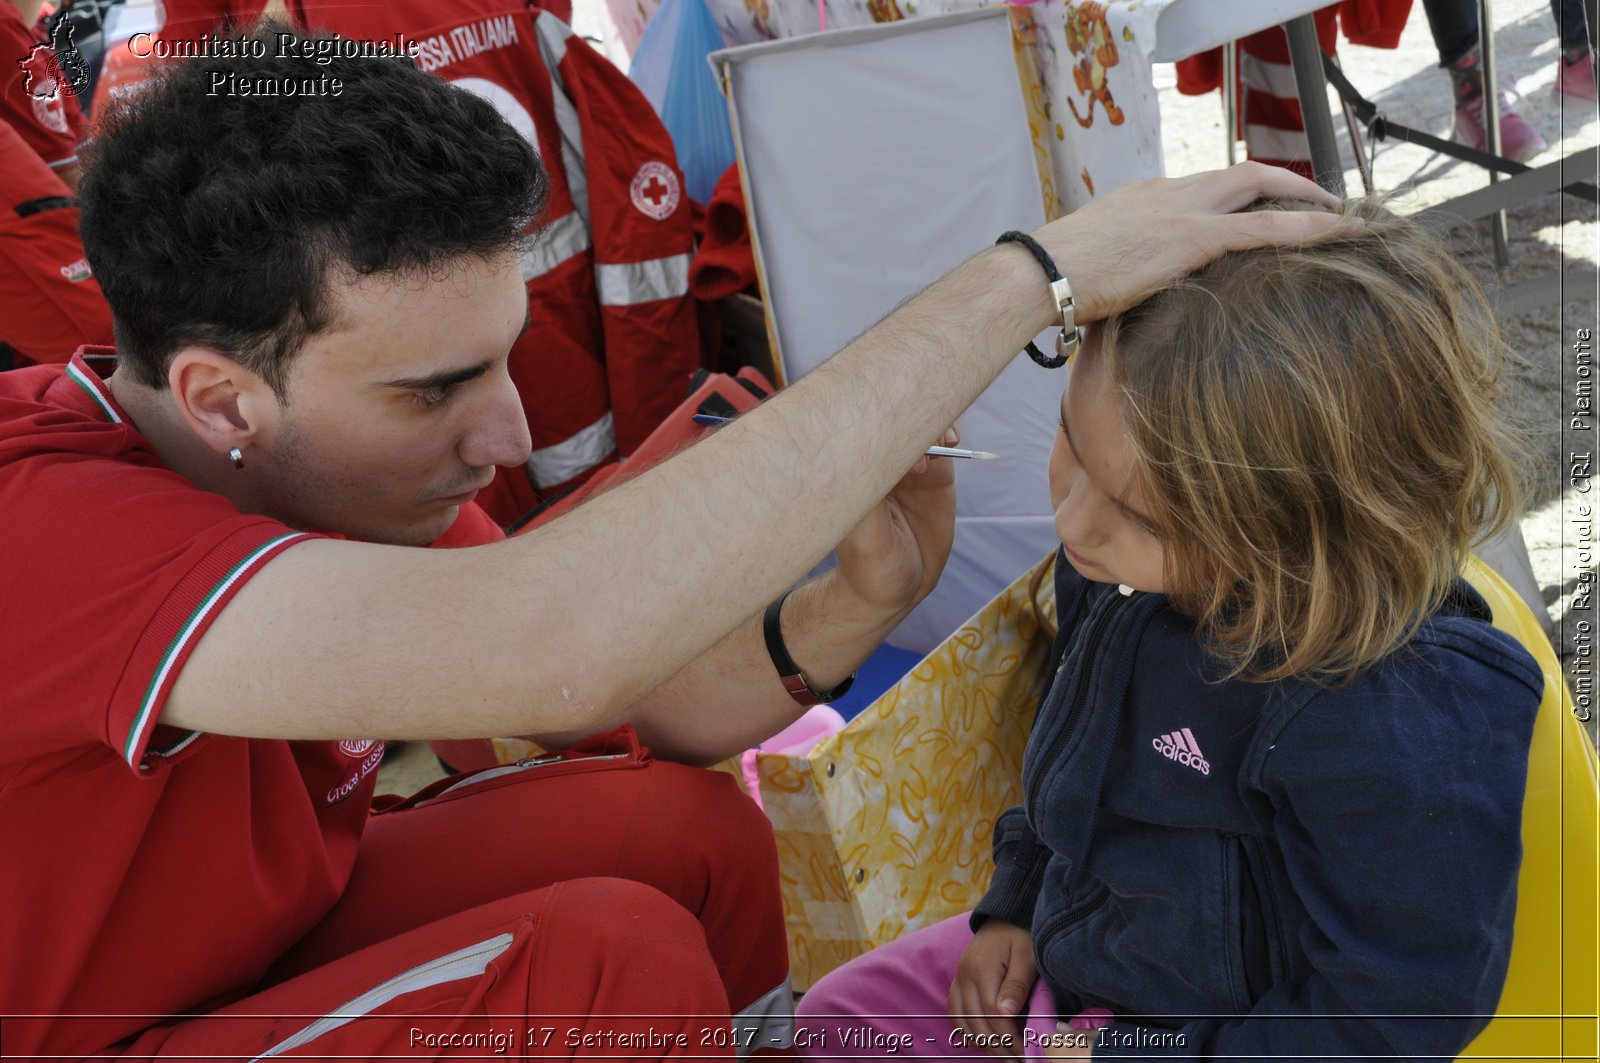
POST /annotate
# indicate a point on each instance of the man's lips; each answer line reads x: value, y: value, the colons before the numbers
x: 461, y: 498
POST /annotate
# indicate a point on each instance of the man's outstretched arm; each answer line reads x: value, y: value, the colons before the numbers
x: 563, y: 629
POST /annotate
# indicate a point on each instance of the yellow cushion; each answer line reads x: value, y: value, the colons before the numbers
x: 1552, y: 993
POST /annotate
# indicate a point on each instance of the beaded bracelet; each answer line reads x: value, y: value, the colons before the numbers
x: 1061, y: 291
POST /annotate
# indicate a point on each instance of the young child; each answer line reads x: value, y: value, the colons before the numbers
x: 1272, y: 797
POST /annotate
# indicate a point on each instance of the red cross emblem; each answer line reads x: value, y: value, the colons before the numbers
x: 655, y: 190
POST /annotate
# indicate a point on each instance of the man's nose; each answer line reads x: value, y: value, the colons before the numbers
x: 498, y: 434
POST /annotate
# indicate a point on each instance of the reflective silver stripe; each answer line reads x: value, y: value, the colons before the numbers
x: 553, y: 245
x: 553, y: 34
x: 468, y: 962
x: 572, y: 161
x: 771, y: 1019
x: 626, y: 283
x: 566, y: 459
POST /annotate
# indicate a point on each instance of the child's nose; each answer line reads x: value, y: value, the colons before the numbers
x: 1075, y: 523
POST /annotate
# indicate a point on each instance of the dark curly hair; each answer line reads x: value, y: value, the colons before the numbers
x: 216, y: 220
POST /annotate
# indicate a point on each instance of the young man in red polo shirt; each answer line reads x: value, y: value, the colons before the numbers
x: 212, y: 601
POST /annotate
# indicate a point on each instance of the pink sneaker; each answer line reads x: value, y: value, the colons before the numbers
x: 1519, y: 141
x: 1575, y: 81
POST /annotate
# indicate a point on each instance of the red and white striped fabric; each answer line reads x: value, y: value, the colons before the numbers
x: 1269, y: 105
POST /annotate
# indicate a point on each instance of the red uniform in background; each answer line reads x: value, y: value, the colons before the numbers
x: 50, y: 305
x: 49, y: 121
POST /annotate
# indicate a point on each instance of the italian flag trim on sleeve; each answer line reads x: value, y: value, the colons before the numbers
x: 168, y: 658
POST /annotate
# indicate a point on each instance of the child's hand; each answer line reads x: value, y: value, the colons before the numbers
x: 993, y: 980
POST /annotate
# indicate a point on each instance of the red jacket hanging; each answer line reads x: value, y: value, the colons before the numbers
x: 614, y: 338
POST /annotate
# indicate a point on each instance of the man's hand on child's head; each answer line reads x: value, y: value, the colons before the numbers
x: 1123, y: 246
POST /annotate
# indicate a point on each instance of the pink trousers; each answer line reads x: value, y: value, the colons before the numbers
x: 893, y: 1002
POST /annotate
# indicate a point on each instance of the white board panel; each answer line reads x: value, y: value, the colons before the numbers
x: 876, y: 159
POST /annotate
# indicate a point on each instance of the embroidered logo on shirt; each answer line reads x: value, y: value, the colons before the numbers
x: 370, y: 753
x: 77, y: 271
x: 654, y: 190
x: 1181, y: 747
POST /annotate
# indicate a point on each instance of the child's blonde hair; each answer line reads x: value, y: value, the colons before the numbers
x: 1315, y: 437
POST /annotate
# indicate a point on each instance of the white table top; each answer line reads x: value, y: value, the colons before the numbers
x: 1185, y: 27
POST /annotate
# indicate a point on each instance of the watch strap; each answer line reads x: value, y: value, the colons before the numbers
x: 789, y: 674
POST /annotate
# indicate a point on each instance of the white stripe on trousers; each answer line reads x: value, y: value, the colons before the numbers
x: 468, y: 962
x: 766, y: 1023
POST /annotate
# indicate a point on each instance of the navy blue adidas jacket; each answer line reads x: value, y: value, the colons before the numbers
x: 1270, y: 870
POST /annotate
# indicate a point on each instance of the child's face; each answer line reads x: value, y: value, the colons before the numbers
x: 1101, y: 518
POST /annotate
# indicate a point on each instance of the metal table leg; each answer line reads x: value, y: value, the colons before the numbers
x: 1230, y: 97
x: 1491, y: 122
x: 1306, y: 56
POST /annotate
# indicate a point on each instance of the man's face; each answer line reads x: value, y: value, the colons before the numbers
x: 397, y: 415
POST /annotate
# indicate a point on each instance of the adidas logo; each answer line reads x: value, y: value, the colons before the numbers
x: 1181, y: 747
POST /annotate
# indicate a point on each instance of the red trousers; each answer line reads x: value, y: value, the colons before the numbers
x: 613, y: 906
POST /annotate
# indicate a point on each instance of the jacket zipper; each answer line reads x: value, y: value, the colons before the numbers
x: 1080, y: 695
x: 1096, y: 901
x: 1254, y: 864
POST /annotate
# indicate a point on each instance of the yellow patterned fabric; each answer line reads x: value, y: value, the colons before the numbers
x: 946, y: 744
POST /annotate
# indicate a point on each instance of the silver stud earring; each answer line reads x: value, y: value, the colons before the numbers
x: 237, y: 457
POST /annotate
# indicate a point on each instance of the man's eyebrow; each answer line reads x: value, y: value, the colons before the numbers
x: 443, y: 379
x: 1126, y: 509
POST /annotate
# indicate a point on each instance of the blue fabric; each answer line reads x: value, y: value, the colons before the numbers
x: 1335, y: 865
x: 670, y: 68
x: 886, y: 667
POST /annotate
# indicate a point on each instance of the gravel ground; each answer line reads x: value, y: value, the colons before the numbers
x: 1548, y: 233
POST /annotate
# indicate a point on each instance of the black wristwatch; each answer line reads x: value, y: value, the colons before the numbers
x: 789, y: 674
